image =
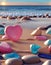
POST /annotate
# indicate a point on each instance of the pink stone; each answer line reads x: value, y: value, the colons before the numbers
x: 40, y: 38
x: 13, y: 32
x: 5, y: 47
x: 49, y: 48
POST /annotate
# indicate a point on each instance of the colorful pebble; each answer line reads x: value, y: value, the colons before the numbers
x: 5, y: 47
x: 47, y: 42
x: 48, y: 31
x: 30, y: 59
x: 36, y: 32
x: 1, y: 31
x: 48, y: 62
x: 13, y: 61
x: 34, y: 48
x: 41, y: 38
x: 11, y: 55
x: 46, y: 56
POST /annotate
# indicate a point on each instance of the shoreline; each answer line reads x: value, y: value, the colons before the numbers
x: 30, y: 24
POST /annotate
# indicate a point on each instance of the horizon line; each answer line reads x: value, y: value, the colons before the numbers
x: 25, y: 5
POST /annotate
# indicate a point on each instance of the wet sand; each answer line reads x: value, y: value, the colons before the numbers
x: 22, y: 47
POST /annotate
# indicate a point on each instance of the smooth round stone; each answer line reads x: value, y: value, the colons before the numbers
x: 11, y: 55
x: 48, y: 31
x: 25, y: 18
x: 1, y: 58
x: 37, y: 32
x: 2, y: 26
x: 5, y: 47
x: 47, y: 42
x: 1, y: 31
x: 48, y: 62
x: 30, y: 59
x: 46, y: 56
x: 49, y: 48
x: 41, y: 38
x: 44, y: 50
x: 13, y: 61
x: 34, y: 48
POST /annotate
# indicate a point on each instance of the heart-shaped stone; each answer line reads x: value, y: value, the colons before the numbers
x: 5, y: 47
x: 13, y: 32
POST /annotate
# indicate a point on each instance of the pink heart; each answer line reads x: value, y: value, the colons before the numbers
x: 5, y: 47
x: 13, y: 32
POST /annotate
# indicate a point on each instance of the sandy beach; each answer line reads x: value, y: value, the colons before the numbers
x: 30, y: 24
x: 24, y: 44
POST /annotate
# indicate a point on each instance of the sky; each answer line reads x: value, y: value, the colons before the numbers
x: 27, y: 2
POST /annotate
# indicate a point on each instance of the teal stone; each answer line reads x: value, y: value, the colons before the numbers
x: 34, y: 48
x: 47, y: 42
x: 48, y: 31
x: 11, y: 55
x: 1, y: 31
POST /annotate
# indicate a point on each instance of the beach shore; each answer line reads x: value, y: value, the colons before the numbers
x: 29, y: 18
x: 24, y: 44
x: 30, y: 24
x: 26, y: 39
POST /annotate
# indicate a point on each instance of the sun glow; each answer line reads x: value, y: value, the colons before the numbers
x: 3, y: 3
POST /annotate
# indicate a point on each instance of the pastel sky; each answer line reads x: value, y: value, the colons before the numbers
x: 27, y: 2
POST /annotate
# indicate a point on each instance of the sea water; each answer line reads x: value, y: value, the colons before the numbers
x: 25, y: 10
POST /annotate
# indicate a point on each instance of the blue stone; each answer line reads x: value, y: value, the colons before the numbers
x: 47, y: 42
x: 48, y: 31
x: 1, y: 26
x: 1, y: 31
x: 11, y: 55
x: 46, y: 56
x: 1, y: 58
x: 34, y: 48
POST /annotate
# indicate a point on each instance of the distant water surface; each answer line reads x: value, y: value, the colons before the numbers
x: 24, y: 10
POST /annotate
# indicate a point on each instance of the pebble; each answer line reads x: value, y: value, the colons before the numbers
x: 34, y: 48
x: 11, y: 55
x: 1, y: 31
x: 44, y: 50
x: 30, y: 59
x: 41, y: 38
x: 48, y: 31
x: 48, y: 62
x: 45, y: 56
x: 5, y: 47
x: 37, y: 32
x: 13, y: 61
x: 47, y: 42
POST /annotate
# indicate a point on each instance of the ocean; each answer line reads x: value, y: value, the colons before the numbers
x: 25, y: 10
